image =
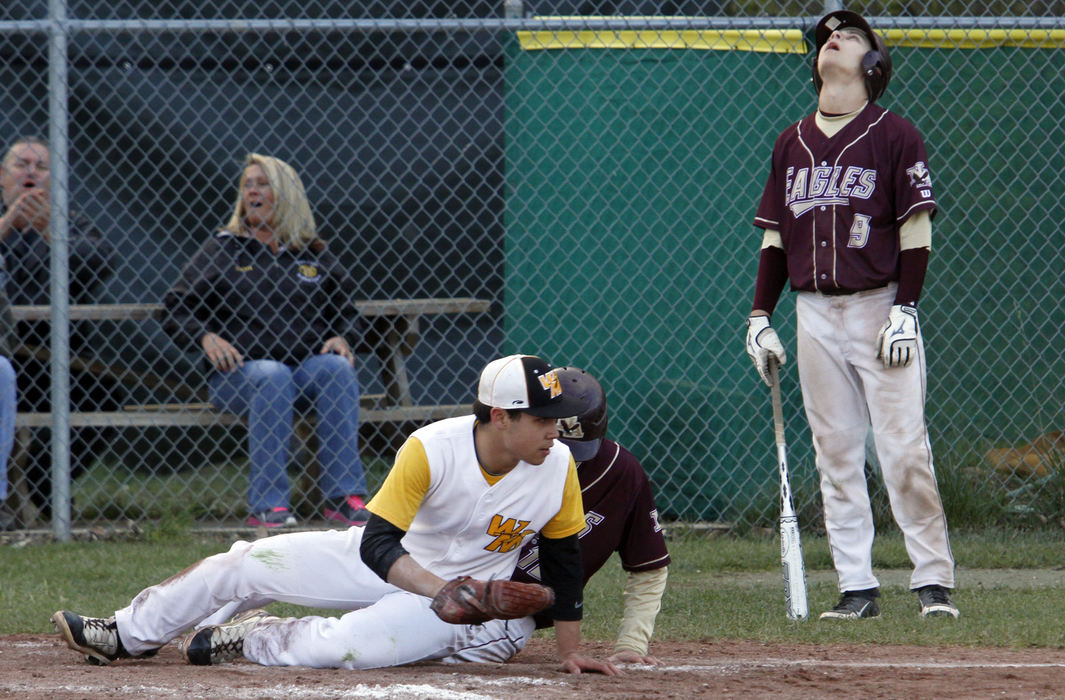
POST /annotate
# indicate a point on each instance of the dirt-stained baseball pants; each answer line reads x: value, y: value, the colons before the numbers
x: 385, y: 626
x: 845, y: 388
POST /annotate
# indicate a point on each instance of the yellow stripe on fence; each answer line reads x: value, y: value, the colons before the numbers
x: 782, y: 40
x: 976, y: 38
x: 762, y: 41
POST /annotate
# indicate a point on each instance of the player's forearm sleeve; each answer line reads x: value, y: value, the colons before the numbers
x: 772, y: 276
x: 912, y: 266
x: 561, y: 569
x: 381, y: 546
x: 643, y: 600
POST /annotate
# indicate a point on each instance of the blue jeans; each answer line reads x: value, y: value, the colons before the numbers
x: 268, y: 393
x: 7, y: 419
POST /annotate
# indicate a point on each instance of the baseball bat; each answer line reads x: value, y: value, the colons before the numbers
x: 790, y: 546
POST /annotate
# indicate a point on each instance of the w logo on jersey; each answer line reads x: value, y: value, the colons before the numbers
x: 508, y: 533
x: 549, y: 381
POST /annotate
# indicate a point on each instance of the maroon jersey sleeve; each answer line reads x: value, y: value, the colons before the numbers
x: 620, y: 516
x: 771, y: 207
x: 643, y: 547
x: 913, y: 180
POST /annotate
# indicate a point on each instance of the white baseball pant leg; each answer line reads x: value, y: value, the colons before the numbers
x: 845, y: 388
x: 398, y: 629
x: 319, y: 569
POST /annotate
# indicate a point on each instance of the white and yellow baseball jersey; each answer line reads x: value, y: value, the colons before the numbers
x: 437, y: 486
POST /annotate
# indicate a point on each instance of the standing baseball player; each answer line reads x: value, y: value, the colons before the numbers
x: 620, y: 516
x: 462, y: 497
x: 846, y: 215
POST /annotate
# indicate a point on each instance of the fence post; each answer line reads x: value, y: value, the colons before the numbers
x: 59, y: 223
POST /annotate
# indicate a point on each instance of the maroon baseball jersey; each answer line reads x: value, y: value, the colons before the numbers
x: 619, y: 513
x: 839, y: 202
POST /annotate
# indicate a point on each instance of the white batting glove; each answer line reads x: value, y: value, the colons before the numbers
x: 763, y: 343
x: 897, y: 342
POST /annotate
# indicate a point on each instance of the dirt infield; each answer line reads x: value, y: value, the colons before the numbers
x: 39, y: 667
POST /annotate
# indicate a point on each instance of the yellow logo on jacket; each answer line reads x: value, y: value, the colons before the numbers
x: 308, y: 272
x: 508, y: 533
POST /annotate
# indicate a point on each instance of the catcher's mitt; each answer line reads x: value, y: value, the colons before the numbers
x: 468, y: 601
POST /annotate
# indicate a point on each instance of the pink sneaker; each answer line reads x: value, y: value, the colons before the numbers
x: 275, y: 517
x: 349, y: 510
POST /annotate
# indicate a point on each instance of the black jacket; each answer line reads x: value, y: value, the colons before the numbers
x: 28, y: 258
x: 270, y: 307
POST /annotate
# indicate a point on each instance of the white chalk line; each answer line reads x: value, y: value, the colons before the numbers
x: 827, y: 663
x: 397, y: 691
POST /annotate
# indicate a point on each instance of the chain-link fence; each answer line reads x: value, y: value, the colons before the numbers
x: 572, y: 179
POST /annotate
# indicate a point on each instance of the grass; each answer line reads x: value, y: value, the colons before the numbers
x: 972, y: 499
x: 710, y: 598
x: 721, y: 587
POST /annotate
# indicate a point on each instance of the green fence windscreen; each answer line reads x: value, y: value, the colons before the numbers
x: 631, y: 180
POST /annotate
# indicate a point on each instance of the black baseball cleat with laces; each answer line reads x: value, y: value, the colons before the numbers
x: 216, y: 644
x: 855, y: 605
x: 935, y: 601
x: 96, y: 637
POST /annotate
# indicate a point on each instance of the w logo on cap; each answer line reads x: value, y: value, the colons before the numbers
x: 526, y: 383
x: 549, y: 381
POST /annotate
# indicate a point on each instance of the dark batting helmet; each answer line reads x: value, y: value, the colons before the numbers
x: 584, y: 433
x: 876, y: 64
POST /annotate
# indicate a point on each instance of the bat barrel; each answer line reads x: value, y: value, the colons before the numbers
x: 795, y: 600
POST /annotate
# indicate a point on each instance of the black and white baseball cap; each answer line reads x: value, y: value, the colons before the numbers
x: 526, y: 383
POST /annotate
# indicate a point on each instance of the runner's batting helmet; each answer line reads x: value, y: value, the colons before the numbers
x: 876, y: 64
x: 584, y: 433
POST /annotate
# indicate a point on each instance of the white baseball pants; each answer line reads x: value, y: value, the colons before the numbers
x: 385, y: 626
x: 845, y: 388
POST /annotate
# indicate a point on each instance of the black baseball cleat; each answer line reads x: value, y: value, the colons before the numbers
x: 216, y: 644
x: 96, y: 637
x: 855, y: 605
x: 935, y: 602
